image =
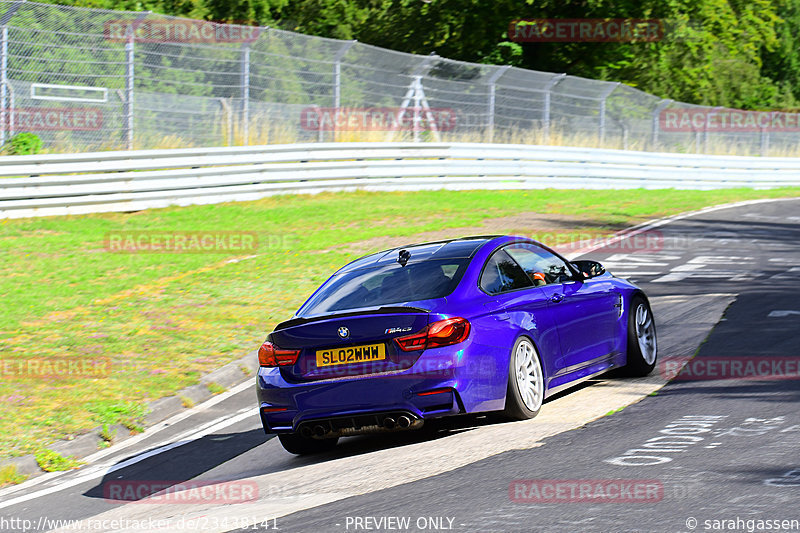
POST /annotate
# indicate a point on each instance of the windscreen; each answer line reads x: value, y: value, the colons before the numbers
x: 387, y: 284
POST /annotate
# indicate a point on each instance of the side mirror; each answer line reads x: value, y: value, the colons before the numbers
x: 589, y: 269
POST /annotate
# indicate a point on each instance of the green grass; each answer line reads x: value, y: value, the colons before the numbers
x: 164, y: 320
x: 109, y: 412
x: 51, y: 461
x: 215, y: 388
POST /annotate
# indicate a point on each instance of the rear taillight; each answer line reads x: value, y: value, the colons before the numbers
x: 270, y: 355
x: 435, y: 335
x: 273, y: 409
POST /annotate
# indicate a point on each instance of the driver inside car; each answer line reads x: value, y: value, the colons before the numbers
x: 537, y: 278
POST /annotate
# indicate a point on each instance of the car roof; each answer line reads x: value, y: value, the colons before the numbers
x: 461, y: 248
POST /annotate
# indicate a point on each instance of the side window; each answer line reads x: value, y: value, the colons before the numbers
x: 541, y: 266
x: 502, y: 274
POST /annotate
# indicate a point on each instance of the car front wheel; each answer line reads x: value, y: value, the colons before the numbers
x: 642, y: 345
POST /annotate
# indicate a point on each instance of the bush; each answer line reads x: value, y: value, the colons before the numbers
x: 23, y: 144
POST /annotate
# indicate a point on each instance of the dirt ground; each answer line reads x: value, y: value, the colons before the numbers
x: 552, y: 230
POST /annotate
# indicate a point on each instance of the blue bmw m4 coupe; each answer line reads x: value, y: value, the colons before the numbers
x: 430, y: 330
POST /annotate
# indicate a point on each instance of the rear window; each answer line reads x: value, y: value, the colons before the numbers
x: 387, y: 284
x: 503, y: 274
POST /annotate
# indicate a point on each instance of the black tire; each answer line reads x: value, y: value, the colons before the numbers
x: 516, y: 408
x: 637, y: 364
x: 294, y: 443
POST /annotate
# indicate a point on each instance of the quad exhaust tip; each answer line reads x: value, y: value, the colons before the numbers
x: 402, y: 422
x: 346, y: 426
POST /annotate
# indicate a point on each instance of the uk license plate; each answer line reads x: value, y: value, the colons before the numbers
x: 351, y: 354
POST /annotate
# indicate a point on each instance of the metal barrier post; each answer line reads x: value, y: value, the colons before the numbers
x: 602, y: 122
x: 656, y: 117
x: 337, y: 82
x: 245, y: 84
x: 705, y: 127
x: 11, y: 111
x: 3, y: 83
x: 4, y: 108
x: 130, y: 79
x: 492, y: 88
x: 546, y: 111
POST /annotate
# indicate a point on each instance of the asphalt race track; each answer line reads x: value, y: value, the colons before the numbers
x: 716, y: 449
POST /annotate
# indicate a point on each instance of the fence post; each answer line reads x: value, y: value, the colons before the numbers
x: 11, y: 112
x: 764, y: 141
x: 3, y: 84
x: 337, y: 82
x: 656, y: 117
x: 337, y: 73
x: 548, y: 89
x: 245, y: 84
x: 130, y: 79
x: 602, y: 122
x: 4, y: 121
x: 705, y: 128
x: 492, y: 87
x: 227, y: 112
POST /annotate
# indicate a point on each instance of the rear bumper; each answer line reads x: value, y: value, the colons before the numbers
x: 286, y: 407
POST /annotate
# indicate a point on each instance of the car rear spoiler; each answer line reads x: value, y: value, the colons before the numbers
x: 369, y: 311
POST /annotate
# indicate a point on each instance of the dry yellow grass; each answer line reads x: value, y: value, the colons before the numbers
x: 263, y: 130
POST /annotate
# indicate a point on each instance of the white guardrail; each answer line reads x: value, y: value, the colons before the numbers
x: 63, y: 184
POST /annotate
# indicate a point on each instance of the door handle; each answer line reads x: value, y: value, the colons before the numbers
x: 556, y: 298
